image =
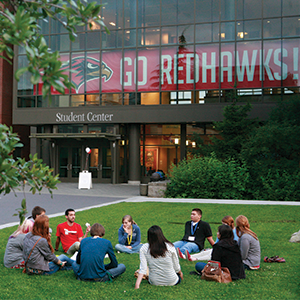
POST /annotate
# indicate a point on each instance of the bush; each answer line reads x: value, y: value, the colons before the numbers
x: 279, y: 185
x: 208, y: 177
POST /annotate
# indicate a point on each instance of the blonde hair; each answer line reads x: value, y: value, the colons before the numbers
x: 26, y: 227
x: 243, y: 226
x: 229, y: 221
x: 129, y: 219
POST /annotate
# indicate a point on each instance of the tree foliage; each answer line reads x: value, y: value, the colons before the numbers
x: 15, y: 173
x: 234, y: 130
x: 20, y: 25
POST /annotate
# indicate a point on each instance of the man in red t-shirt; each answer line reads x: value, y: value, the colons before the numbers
x: 69, y: 233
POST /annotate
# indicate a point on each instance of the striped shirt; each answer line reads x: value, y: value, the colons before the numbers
x: 162, y: 270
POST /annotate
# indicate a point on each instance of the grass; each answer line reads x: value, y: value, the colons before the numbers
x: 273, y: 225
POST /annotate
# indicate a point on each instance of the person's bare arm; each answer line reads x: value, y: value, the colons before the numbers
x: 86, y: 233
x: 138, y: 281
x: 211, y: 240
x: 57, y: 243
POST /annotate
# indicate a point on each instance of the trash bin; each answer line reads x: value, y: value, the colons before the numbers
x: 143, y: 189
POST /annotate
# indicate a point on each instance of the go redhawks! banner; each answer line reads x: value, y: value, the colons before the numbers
x: 249, y: 65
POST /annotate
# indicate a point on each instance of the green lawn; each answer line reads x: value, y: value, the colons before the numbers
x: 273, y: 225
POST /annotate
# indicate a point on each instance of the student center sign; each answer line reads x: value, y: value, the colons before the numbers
x: 165, y: 71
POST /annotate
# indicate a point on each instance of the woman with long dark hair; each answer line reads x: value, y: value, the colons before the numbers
x: 38, y: 252
x: 227, y: 252
x: 249, y: 243
x: 160, y: 256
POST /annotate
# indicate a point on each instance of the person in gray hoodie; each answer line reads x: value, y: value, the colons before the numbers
x: 38, y: 252
x: 249, y: 244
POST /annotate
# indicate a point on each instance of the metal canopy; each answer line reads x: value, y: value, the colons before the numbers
x: 50, y: 136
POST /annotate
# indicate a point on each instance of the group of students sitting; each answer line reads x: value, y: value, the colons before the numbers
x: 235, y: 248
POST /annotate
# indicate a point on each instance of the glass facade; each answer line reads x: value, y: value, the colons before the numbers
x: 206, y: 49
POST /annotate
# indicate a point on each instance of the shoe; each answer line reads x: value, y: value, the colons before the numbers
x: 179, y: 253
x: 187, y: 255
x: 274, y: 259
x: 195, y: 273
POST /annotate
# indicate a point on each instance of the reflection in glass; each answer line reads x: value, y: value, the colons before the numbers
x: 272, y: 8
x: 60, y: 42
x: 207, y: 11
x: 291, y: 26
x: 111, y: 99
x: 60, y: 101
x: 148, y: 13
x: 130, y: 38
x: 148, y: 37
x: 129, y: 13
x: 204, y: 33
x: 112, y: 14
x: 92, y: 100
x: 26, y: 101
x: 290, y: 7
x: 93, y: 40
x: 77, y: 100
x: 25, y: 87
x: 247, y: 30
x: 227, y: 31
x: 111, y: 40
x: 187, y: 32
x: 249, y: 9
x: 272, y: 28
x: 79, y: 43
x: 227, y: 10
x: 169, y: 35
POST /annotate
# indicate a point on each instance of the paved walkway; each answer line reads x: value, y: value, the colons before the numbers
x: 68, y: 195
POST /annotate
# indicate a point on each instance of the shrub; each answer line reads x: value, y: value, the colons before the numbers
x: 208, y: 177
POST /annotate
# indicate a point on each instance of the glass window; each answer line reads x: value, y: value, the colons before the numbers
x: 79, y: 43
x: 216, y: 32
x: 227, y: 61
x: 111, y: 99
x: 249, y: 95
x: 60, y: 42
x: 148, y: 37
x: 111, y: 11
x: 25, y: 87
x: 148, y: 13
x: 185, y: 11
x: 204, y: 33
x: 129, y: 98
x: 187, y: 33
x: 272, y: 8
x: 101, y: 128
x: 149, y: 98
x: 70, y: 129
x: 169, y: 35
x: 206, y: 11
x: 247, y: 30
x: 112, y: 40
x: 202, y: 97
x: 92, y: 100
x: 227, y: 10
x: 290, y: 7
x: 57, y: 27
x: 197, y: 128
x: 59, y: 101
x: 227, y: 31
x: 169, y: 12
x: 93, y: 66
x: 249, y: 9
x: 44, y: 24
x: 272, y: 28
x: 26, y: 101
x: 291, y: 26
x: 77, y: 100
x: 182, y: 97
x: 78, y: 76
x: 130, y: 38
x: 93, y: 40
x: 130, y: 13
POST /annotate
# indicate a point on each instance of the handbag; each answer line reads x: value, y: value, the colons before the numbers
x: 214, y: 272
x: 24, y: 270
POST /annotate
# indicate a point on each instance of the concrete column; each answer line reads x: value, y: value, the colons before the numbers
x: 134, y: 154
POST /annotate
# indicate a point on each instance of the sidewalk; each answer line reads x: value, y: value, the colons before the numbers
x: 68, y: 195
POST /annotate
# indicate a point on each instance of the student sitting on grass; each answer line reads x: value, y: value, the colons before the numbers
x: 13, y: 257
x: 38, y: 252
x: 129, y: 236
x: 89, y: 265
x: 227, y: 252
x: 228, y: 220
x: 249, y: 244
x: 161, y: 257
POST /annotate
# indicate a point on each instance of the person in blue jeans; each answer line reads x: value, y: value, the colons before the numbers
x: 89, y: 265
x: 38, y: 252
x: 129, y: 236
x: 196, y: 231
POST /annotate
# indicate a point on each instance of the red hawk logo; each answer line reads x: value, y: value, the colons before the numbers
x: 87, y: 69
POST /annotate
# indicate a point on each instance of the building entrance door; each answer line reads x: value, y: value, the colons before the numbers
x: 100, y: 164
x: 69, y: 162
x: 72, y: 160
